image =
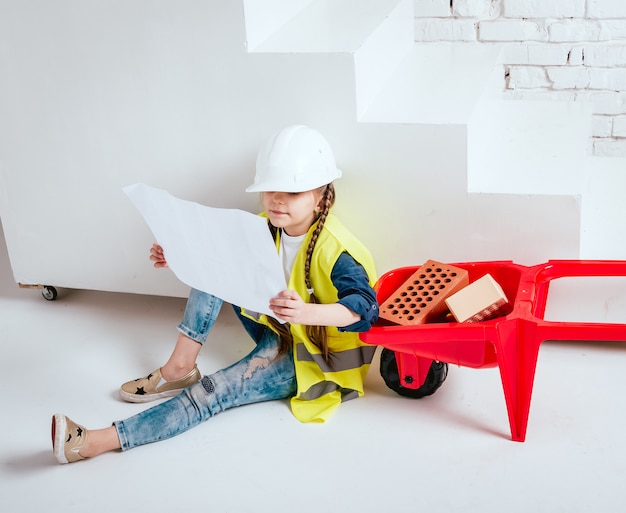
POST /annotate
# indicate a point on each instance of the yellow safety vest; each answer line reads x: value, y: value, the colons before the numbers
x: 323, y: 386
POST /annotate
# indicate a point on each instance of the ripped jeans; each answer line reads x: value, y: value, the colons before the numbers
x: 258, y: 377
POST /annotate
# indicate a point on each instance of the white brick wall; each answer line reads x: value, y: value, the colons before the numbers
x: 606, y: 9
x: 543, y: 8
x: 432, y: 8
x: 562, y: 49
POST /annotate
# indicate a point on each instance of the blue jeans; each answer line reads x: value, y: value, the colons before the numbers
x: 260, y: 376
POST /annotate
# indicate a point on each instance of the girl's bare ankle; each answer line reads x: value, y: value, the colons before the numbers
x: 100, y: 441
x: 172, y: 372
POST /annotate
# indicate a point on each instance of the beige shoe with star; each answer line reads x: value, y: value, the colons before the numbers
x: 68, y: 438
x: 153, y: 386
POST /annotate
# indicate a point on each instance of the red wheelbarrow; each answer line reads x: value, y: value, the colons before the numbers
x: 414, y: 360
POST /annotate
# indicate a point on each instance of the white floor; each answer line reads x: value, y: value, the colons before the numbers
x: 447, y: 453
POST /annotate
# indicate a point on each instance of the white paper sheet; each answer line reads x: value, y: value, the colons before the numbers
x: 226, y: 252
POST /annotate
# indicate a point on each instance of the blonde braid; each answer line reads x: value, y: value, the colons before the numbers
x: 318, y: 334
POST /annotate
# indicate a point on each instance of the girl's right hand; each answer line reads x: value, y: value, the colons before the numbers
x: 157, y: 256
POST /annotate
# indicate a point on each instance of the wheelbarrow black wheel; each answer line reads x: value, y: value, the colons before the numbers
x: 389, y: 371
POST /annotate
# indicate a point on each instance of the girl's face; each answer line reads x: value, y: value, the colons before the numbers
x: 294, y: 212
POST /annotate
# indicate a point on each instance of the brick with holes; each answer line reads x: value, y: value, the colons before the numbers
x: 421, y: 298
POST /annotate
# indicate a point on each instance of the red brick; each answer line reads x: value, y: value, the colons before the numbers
x: 422, y: 296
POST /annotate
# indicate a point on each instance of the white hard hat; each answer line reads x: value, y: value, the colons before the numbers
x: 296, y: 159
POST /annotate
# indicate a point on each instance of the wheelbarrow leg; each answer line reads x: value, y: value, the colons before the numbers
x: 517, y: 352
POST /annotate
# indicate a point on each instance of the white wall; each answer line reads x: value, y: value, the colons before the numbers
x: 97, y: 95
x: 557, y: 49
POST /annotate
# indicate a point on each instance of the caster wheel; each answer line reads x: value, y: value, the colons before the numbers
x: 49, y: 293
x: 389, y: 371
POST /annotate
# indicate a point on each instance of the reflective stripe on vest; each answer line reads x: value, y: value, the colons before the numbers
x: 339, y: 360
x: 326, y: 387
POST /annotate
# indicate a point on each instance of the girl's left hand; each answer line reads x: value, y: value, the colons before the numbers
x: 157, y: 256
x: 289, y: 307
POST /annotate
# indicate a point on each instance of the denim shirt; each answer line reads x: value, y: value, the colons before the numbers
x: 355, y: 292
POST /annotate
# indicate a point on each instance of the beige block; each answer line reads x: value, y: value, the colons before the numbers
x: 479, y: 301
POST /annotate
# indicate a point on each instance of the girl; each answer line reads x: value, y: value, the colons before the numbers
x: 314, y: 356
